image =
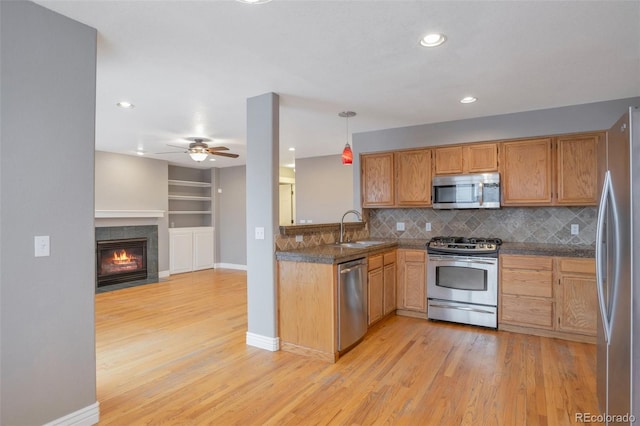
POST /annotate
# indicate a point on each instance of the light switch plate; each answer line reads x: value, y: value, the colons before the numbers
x: 41, y: 246
x: 399, y: 226
x: 575, y: 229
x: 259, y: 233
x: 427, y: 226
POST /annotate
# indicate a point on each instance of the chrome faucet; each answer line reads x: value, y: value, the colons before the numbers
x: 357, y: 213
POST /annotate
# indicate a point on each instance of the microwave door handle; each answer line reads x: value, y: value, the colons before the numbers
x: 481, y: 191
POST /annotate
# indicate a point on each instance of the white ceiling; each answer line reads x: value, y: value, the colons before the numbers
x: 189, y: 66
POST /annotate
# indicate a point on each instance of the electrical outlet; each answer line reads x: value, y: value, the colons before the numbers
x: 298, y: 238
x: 399, y: 226
x: 427, y: 226
x: 303, y: 221
x: 575, y: 229
x: 259, y: 233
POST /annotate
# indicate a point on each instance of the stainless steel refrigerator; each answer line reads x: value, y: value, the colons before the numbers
x: 618, y: 274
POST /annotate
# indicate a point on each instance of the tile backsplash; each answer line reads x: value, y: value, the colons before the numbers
x: 514, y: 224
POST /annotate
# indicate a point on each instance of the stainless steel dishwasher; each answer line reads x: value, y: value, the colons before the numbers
x: 352, y: 302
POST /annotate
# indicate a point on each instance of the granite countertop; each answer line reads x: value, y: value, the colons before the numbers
x: 334, y: 253
x: 538, y: 249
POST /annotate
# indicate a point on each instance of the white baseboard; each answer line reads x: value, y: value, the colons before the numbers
x: 164, y: 274
x: 263, y: 342
x: 86, y: 416
x: 231, y: 266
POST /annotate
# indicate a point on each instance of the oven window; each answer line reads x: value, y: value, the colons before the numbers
x: 461, y: 278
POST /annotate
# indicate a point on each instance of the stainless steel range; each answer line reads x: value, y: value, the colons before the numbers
x: 462, y: 280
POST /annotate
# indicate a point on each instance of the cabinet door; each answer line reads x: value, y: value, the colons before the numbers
x: 481, y: 158
x: 448, y: 160
x: 389, y: 300
x: 526, y: 172
x: 375, y: 279
x: 202, y: 250
x: 181, y: 251
x: 577, y: 163
x: 412, y: 280
x: 377, y: 180
x: 413, y: 185
x: 577, y: 296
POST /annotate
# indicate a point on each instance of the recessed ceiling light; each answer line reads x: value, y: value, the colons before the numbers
x: 139, y: 152
x: 253, y: 1
x: 468, y: 100
x: 125, y: 104
x: 292, y: 149
x: 212, y: 159
x: 433, y: 40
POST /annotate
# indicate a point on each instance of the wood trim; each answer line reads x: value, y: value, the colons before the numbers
x: 547, y: 333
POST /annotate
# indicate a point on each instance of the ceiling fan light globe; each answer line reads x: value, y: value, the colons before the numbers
x: 198, y: 156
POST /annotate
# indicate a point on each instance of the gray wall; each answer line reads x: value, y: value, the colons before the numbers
x: 263, y: 128
x: 576, y: 118
x: 231, y: 226
x: 47, y: 328
x: 125, y: 182
x: 324, y: 189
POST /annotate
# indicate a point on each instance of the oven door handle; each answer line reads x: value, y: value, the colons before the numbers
x: 460, y: 308
x: 458, y: 259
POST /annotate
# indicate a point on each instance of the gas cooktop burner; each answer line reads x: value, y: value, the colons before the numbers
x: 461, y: 245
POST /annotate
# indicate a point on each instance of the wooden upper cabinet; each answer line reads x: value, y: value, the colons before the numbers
x: 461, y: 159
x: 448, y: 160
x: 377, y: 180
x: 480, y: 158
x: 413, y: 172
x: 527, y: 172
x: 577, y: 168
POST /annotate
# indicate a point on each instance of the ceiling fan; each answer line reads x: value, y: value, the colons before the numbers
x: 198, y: 149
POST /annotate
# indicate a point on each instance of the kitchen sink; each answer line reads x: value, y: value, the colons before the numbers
x: 361, y: 244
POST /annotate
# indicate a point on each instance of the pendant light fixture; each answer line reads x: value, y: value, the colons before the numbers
x: 347, y: 154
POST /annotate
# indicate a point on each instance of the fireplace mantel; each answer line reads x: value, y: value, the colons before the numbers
x: 113, y: 214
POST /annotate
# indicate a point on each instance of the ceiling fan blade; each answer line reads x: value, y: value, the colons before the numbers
x: 218, y: 148
x: 177, y: 146
x: 224, y: 154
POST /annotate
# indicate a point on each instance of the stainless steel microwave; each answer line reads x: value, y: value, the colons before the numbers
x: 476, y: 191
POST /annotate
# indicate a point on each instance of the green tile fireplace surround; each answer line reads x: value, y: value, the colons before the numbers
x: 119, y: 232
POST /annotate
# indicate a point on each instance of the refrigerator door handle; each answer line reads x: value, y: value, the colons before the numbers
x: 607, y: 201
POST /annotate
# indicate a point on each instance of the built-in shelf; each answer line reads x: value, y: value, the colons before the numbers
x: 190, y: 212
x: 114, y: 214
x: 189, y: 198
x: 175, y: 182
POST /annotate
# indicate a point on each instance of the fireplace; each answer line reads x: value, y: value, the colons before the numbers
x: 120, y: 261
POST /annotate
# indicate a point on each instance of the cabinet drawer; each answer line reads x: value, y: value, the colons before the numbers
x: 375, y: 262
x: 527, y: 311
x: 582, y: 266
x: 527, y: 262
x: 414, y: 256
x: 527, y: 283
x: 390, y: 257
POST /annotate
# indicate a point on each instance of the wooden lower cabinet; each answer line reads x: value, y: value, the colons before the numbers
x: 412, y: 282
x: 381, y: 282
x: 549, y: 296
x: 577, y: 298
x: 307, y: 309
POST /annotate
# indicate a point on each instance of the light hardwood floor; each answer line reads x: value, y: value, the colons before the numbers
x: 174, y: 353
